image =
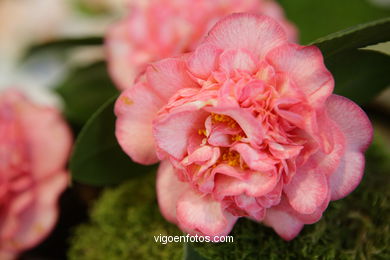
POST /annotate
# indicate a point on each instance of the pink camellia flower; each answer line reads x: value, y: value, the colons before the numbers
x: 157, y: 29
x: 245, y: 126
x: 34, y: 146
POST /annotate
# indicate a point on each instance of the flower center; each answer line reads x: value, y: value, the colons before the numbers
x: 218, y: 118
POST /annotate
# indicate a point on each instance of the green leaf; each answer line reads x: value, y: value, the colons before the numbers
x: 63, y: 45
x: 360, y: 74
x: 358, y: 36
x: 97, y: 158
x: 317, y: 18
x: 85, y: 90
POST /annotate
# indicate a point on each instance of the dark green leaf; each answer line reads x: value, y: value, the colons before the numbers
x: 63, y: 45
x: 360, y: 74
x: 97, y: 158
x: 355, y: 37
x: 85, y: 90
x: 317, y: 18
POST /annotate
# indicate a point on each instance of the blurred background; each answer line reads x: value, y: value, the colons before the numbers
x: 50, y: 73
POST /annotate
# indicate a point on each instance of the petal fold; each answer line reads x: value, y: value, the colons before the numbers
x: 203, y: 214
x: 255, y: 33
x: 357, y: 129
x: 169, y: 189
x: 285, y: 225
x: 167, y: 76
x: 305, y: 65
x: 172, y: 131
x: 307, y: 190
x: 135, y: 110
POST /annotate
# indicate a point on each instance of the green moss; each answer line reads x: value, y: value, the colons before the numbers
x: 356, y: 227
x: 125, y: 220
x: 123, y: 224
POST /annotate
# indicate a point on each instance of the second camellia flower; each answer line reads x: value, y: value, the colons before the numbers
x: 245, y: 126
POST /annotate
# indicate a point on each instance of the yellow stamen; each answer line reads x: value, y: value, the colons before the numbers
x: 232, y: 158
x: 202, y: 132
x: 217, y: 118
x: 237, y: 137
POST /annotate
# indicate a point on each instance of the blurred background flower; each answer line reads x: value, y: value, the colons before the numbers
x: 26, y: 23
x: 35, y: 143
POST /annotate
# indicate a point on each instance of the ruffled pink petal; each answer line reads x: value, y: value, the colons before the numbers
x: 172, y: 131
x: 357, y: 130
x: 311, y: 218
x: 254, y: 33
x: 201, y: 213
x: 245, y: 119
x: 135, y: 110
x: 305, y: 65
x: 272, y: 198
x: 348, y: 175
x: 8, y: 226
x: 203, y: 61
x: 169, y: 189
x: 200, y: 155
x: 326, y: 163
x: 228, y: 170
x: 266, y: 73
x: 12, y: 208
x: 352, y: 121
x: 255, y: 160
x: 284, y: 151
x: 39, y: 217
x: 219, y: 139
x: 204, y: 175
x: 307, y: 190
x: 237, y: 60
x: 250, y: 205
x: 255, y: 184
x: 285, y: 224
x: 48, y: 137
x: 167, y: 76
x: 20, y: 201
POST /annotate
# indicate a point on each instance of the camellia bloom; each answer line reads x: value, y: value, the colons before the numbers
x: 157, y: 29
x: 34, y: 146
x: 245, y: 126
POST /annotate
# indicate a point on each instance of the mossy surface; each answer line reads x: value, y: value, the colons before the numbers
x: 125, y: 220
x: 123, y: 224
